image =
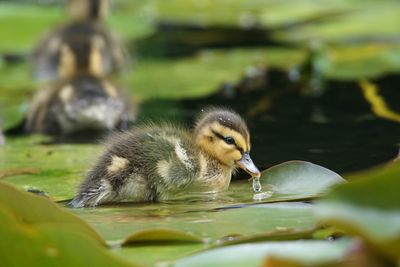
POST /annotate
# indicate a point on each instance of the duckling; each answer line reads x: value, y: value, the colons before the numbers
x: 86, y: 27
x: 159, y: 162
x: 82, y: 103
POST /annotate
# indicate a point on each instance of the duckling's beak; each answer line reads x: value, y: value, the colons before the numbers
x: 248, y: 166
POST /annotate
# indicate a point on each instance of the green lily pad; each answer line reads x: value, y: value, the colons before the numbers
x: 307, y: 252
x: 37, y: 210
x: 48, y: 244
x: 296, y: 180
x: 161, y: 236
x: 116, y: 223
x: 194, y: 222
x: 60, y: 168
x: 158, y: 254
x: 368, y: 206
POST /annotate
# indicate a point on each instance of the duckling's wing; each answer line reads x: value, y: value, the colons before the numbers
x: 176, y: 162
x: 146, y: 164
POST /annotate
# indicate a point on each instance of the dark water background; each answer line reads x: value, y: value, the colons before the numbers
x: 337, y: 130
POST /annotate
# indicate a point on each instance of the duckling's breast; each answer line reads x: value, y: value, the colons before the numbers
x: 214, y: 177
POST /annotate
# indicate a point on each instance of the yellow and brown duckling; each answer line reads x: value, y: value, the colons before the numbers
x: 85, y: 28
x: 158, y: 163
x: 82, y: 103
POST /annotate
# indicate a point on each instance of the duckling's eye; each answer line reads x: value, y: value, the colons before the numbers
x: 229, y: 140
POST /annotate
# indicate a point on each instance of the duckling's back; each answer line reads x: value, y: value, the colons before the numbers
x: 145, y: 164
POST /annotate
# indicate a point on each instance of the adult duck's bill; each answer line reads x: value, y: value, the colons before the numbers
x: 248, y: 166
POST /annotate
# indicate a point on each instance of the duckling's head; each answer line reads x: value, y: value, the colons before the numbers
x: 224, y: 135
x: 83, y: 54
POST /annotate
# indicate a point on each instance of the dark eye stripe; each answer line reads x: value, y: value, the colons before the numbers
x: 220, y: 136
x: 217, y: 134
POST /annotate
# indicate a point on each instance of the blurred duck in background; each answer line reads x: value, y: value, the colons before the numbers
x: 79, y: 100
x: 86, y: 24
x: 80, y: 97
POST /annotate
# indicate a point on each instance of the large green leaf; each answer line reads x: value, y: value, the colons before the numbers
x: 37, y: 210
x: 23, y: 244
x: 159, y: 235
x: 157, y: 254
x: 307, y: 252
x: 368, y: 206
x: 36, y: 232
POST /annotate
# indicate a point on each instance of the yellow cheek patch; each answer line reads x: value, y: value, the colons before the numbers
x: 67, y: 65
x: 95, y: 58
x: 235, y: 155
x: 117, y: 164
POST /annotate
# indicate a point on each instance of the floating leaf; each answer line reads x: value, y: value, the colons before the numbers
x: 25, y: 244
x: 155, y: 235
x: 356, y: 255
x: 158, y: 254
x: 37, y: 210
x: 117, y: 223
x: 61, y: 167
x: 368, y: 206
x: 307, y: 252
x: 279, y: 234
x: 294, y: 180
x: 45, y: 234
